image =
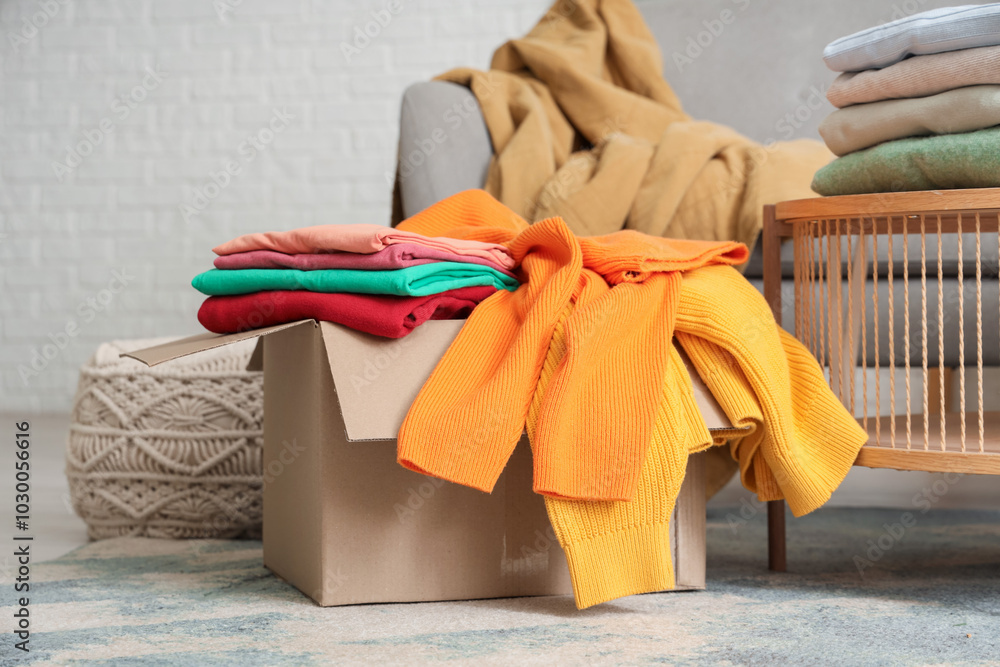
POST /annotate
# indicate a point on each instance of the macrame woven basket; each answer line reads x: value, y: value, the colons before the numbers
x: 170, y: 451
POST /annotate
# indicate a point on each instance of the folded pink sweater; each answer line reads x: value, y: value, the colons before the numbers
x: 359, y: 238
x: 396, y: 256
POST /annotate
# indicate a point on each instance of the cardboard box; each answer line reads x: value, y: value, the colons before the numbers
x: 345, y: 524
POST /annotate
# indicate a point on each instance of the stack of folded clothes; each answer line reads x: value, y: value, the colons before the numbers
x: 368, y: 277
x: 918, y: 104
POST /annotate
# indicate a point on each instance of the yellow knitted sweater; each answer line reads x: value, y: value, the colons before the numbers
x: 798, y: 442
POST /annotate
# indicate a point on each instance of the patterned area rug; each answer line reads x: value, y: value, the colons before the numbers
x: 864, y: 589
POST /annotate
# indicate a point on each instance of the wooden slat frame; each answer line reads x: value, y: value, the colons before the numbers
x: 874, y: 215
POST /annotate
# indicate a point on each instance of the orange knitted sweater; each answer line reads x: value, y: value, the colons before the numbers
x: 623, y: 290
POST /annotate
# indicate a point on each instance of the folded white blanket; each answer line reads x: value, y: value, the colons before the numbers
x: 934, y: 31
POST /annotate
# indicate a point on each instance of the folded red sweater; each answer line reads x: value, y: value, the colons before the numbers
x: 382, y: 315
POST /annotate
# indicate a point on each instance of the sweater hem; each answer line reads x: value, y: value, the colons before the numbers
x: 621, y: 563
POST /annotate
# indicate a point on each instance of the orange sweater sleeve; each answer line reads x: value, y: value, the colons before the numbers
x: 596, y: 420
x: 470, y: 413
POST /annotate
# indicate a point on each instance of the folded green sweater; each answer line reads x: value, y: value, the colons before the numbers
x: 967, y: 160
x: 420, y: 280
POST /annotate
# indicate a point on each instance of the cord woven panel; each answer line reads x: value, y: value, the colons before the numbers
x: 171, y: 451
x: 911, y: 350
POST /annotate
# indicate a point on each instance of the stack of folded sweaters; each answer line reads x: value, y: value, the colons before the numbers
x: 918, y: 104
x: 368, y: 277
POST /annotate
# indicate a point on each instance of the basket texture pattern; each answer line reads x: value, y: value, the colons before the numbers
x: 170, y: 451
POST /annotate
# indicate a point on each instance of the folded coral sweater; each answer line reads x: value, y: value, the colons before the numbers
x: 418, y: 280
x: 919, y: 76
x: 389, y: 316
x: 864, y: 125
x: 396, y: 256
x: 358, y: 238
x: 967, y: 160
x: 589, y: 443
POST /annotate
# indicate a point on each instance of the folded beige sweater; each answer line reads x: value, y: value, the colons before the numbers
x: 863, y: 125
x: 919, y: 76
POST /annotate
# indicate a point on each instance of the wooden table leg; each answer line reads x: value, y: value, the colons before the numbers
x: 776, y: 559
x: 772, y: 292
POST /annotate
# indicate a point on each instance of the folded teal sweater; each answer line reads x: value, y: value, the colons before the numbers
x: 947, y: 161
x: 420, y: 280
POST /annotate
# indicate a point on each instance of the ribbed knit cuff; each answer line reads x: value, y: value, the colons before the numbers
x: 478, y: 468
x: 626, y: 562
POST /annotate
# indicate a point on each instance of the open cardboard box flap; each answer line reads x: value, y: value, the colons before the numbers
x: 377, y: 379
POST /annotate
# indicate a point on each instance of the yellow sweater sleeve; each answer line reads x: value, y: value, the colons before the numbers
x: 619, y: 548
x: 801, y: 441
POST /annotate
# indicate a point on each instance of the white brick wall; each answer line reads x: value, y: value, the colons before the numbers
x: 120, y: 208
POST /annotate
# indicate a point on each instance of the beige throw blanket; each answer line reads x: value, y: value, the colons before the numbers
x: 584, y: 126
